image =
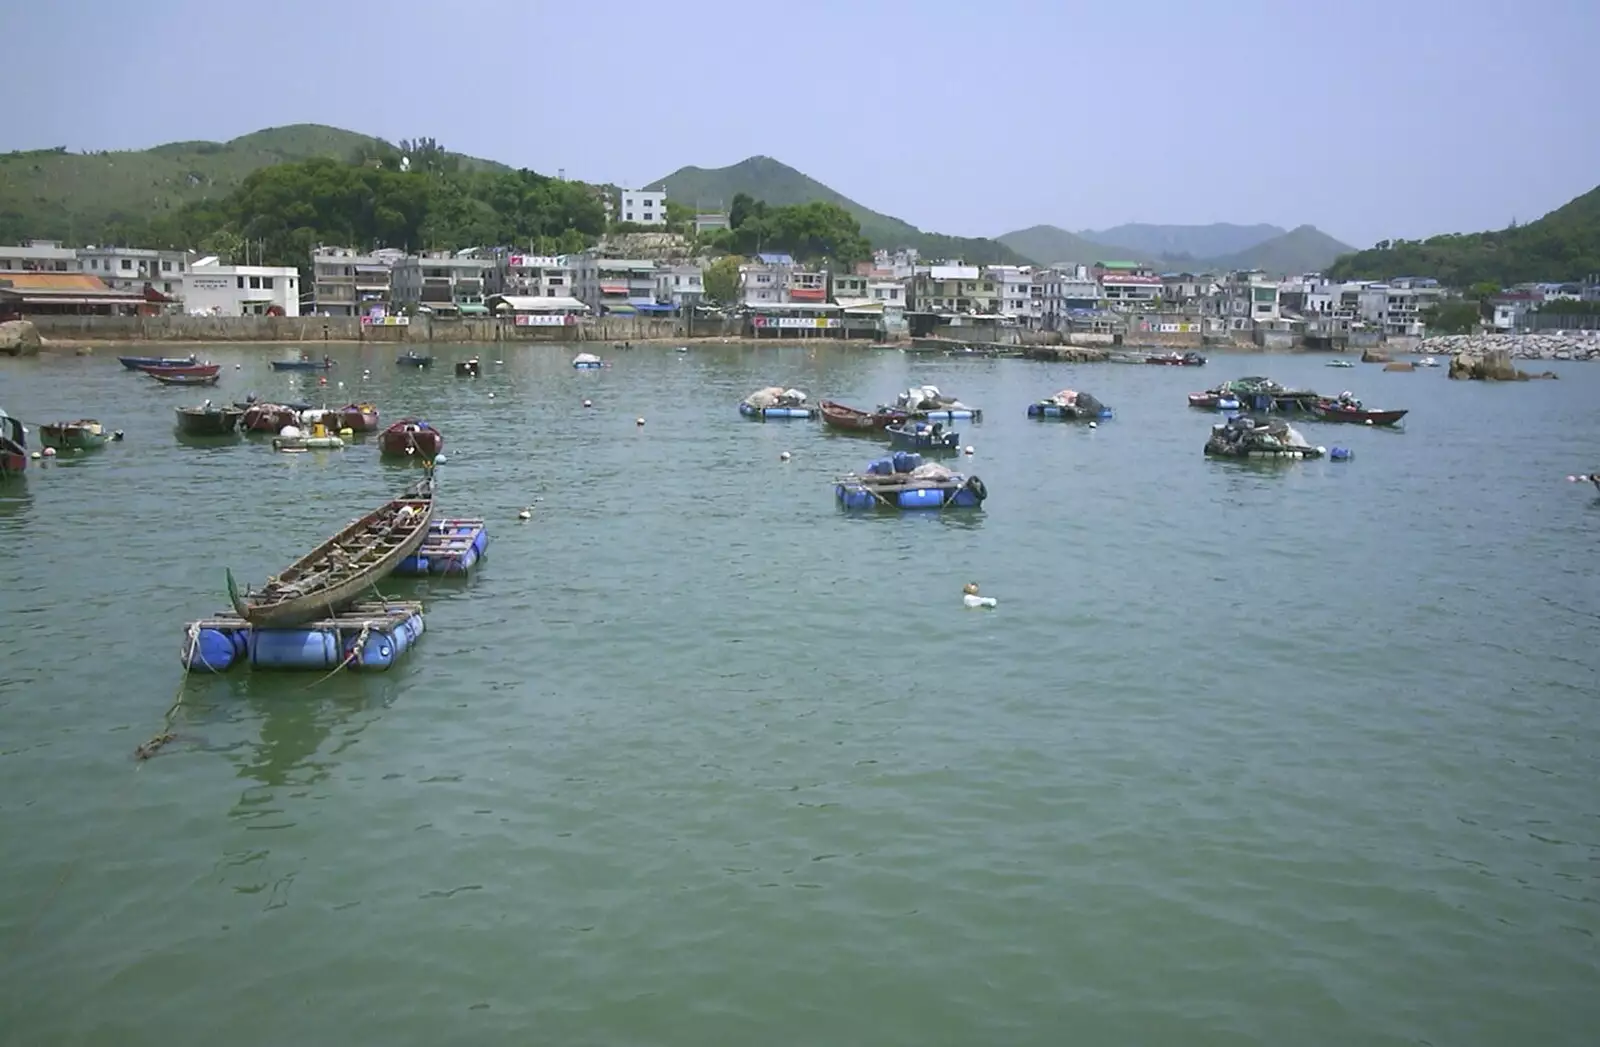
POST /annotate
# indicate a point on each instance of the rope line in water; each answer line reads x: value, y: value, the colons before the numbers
x: 165, y: 735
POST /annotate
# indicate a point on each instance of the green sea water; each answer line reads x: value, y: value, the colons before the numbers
x: 1303, y: 753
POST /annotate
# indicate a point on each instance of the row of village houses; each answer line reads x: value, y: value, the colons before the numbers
x: 882, y: 297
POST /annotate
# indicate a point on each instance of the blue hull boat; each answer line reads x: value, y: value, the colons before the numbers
x: 301, y: 365
x: 920, y: 436
x: 135, y: 363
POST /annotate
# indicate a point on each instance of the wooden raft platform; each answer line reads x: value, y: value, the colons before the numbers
x: 371, y: 634
x: 453, y: 546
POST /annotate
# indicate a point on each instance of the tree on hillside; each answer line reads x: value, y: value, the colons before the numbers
x: 722, y: 280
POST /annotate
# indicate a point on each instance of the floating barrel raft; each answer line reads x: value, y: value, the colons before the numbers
x: 751, y: 411
x: 371, y: 636
x: 902, y: 482
x: 452, y: 547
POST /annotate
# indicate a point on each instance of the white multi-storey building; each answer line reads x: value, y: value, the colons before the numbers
x: 38, y: 256
x: 135, y: 268
x: 241, y: 290
x: 643, y: 207
x: 535, y: 276
x: 1012, y: 289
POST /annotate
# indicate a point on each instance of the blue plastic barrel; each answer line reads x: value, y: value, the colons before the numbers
x: 294, y: 649
x: 921, y: 498
x: 212, y: 650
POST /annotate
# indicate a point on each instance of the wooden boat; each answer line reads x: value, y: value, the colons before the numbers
x: 343, y: 567
x: 921, y: 436
x: 208, y: 420
x: 412, y: 359
x: 1173, y: 359
x: 82, y: 435
x: 185, y: 369
x: 267, y: 418
x: 851, y: 420
x: 410, y: 438
x: 136, y: 363
x: 359, y: 418
x: 185, y: 379
x: 1214, y: 400
x: 302, y: 365
x: 467, y: 368
x: 13, y: 446
x: 1334, y: 411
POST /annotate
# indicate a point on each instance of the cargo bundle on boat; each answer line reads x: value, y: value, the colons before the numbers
x: 83, y: 435
x: 1214, y: 400
x: 1244, y: 437
x: 927, y: 403
x: 209, y: 420
x: 1263, y: 395
x: 851, y: 420
x: 453, y: 547
x: 931, y: 437
x: 905, y: 481
x: 410, y: 437
x: 1070, y: 405
x: 776, y: 402
x: 13, y: 446
x: 358, y: 418
x: 1346, y: 408
x: 587, y: 362
x: 370, y: 636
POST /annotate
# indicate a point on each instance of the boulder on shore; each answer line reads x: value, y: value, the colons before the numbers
x: 19, y: 338
x: 1540, y: 345
x: 1493, y: 365
x: 1374, y: 356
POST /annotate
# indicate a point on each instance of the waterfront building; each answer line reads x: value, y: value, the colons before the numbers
x: 614, y: 285
x: 347, y: 282
x: 530, y: 275
x: 1012, y: 285
x: 1123, y: 290
x: 447, y: 285
x: 39, y: 256
x: 678, y: 286
x: 1065, y: 291
x: 953, y: 289
x: 213, y: 289
x: 765, y: 279
x: 52, y: 293
x: 137, y: 269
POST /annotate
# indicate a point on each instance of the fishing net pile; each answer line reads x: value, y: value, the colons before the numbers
x: 1073, y: 400
x: 776, y: 396
x: 1247, y: 435
x: 926, y: 398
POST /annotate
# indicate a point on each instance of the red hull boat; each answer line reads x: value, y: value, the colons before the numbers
x: 359, y: 418
x: 189, y: 370
x: 13, y: 446
x: 411, y: 438
x: 1333, y: 411
x: 849, y: 419
x: 268, y: 418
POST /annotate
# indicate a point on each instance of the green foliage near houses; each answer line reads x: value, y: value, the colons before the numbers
x: 721, y: 280
x: 763, y: 178
x: 285, y: 210
x: 111, y: 197
x: 1563, y: 245
x: 813, y: 231
x: 1454, y: 317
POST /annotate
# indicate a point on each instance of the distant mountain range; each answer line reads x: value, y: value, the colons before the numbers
x: 80, y: 196
x: 1217, y: 247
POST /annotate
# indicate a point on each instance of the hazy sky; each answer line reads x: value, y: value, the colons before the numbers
x: 1367, y: 118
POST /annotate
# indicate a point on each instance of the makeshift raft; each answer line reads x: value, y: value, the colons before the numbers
x: 372, y: 635
x: 452, y: 547
x: 899, y: 482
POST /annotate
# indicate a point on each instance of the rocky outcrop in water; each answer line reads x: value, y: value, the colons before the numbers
x: 1489, y: 365
x: 1582, y: 345
x: 19, y: 338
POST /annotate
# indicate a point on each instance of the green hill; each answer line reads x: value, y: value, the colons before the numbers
x: 1185, y: 241
x: 780, y: 185
x: 1563, y: 245
x: 54, y: 194
x: 1052, y: 245
x: 1304, y: 249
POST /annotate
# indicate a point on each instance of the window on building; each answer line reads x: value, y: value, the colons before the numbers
x: 628, y: 216
x: 255, y: 283
x: 127, y: 263
x: 239, y: 280
x: 166, y: 267
x: 266, y: 283
x: 166, y: 287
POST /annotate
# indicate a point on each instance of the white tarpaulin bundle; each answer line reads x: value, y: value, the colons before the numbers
x: 793, y: 397
x: 925, y: 398
x: 931, y: 471
x: 586, y: 358
x: 767, y: 397
x: 1066, y: 398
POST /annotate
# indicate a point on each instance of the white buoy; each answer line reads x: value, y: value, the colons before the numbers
x: 341, y: 385
x: 784, y: 457
x: 1094, y: 425
x: 49, y: 452
x: 1572, y: 479
x: 526, y: 514
x: 237, y: 366
x: 289, y: 431
x: 588, y: 403
x: 968, y: 450
x: 34, y: 456
x: 438, y: 459
x: 638, y: 421
x: 491, y: 396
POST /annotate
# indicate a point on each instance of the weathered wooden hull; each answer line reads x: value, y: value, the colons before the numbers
x: 384, y: 538
x: 268, y: 418
x: 81, y: 435
x: 360, y: 418
x: 186, y: 369
x: 185, y: 379
x: 215, y: 421
x: 851, y: 420
x: 411, y: 438
x: 1329, y: 412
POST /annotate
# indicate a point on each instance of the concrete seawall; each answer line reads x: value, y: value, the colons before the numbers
x: 304, y: 329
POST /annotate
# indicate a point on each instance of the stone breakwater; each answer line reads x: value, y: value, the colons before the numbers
x: 1577, y: 346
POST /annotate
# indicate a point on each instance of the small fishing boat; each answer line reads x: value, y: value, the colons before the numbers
x: 851, y: 420
x: 775, y: 401
x: 587, y: 362
x: 209, y: 420
x: 1340, y: 363
x: 922, y: 436
x: 411, y: 358
x: 303, y: 364
x: 185, y: 379
x: 1428, y: 361
x: 1070, y: 405
x: 13, y: 446
x: 1175, y: 359
x: 139, y: 363
x: 343, y: 567
x: 358, y: 418
x: 189, y: 370
x: 1214, y: 400
x: 905, y: 481
x: 1342, y: 410
x: 268, y: 418
x: 467, y: 368
x: 83, y: 435
x: 410, y: 437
